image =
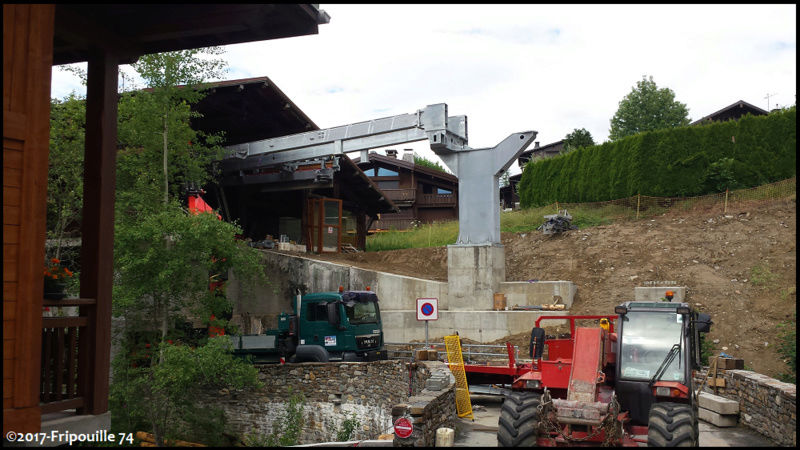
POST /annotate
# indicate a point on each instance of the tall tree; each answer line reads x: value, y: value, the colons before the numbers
x: 65, y: 173
x: 160, y: 150
x: 647, y: 108
x: 577, y: 139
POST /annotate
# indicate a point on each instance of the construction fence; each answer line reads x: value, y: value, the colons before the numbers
x: 640, y: 206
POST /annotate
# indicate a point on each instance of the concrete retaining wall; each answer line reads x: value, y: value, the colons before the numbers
x: 258, y: 309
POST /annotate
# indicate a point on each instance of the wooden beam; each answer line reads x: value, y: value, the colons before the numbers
x: 97, y: 250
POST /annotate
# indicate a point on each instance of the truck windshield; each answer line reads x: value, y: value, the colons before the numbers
x: 361, y: 312
x: 647, y: 337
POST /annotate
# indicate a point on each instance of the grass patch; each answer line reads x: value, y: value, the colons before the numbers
x: 760, y: 275
x: 425, y: 235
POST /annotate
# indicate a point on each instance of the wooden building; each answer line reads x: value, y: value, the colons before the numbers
x: 422, y: 194
x: 731, y: 112
x: 47, y: 366
x: 508, y: 194
x: 267, y: 199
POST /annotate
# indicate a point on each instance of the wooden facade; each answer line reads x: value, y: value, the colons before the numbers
x: 27, y: 58
x: 47, y: 365
x: 422, y: 194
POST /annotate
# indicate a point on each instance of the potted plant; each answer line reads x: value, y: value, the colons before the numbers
x: 55, y: 277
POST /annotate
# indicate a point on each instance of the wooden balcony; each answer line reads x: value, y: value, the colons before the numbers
x: 67, y: 358
x: 401, y: 197
x: 437, y: 200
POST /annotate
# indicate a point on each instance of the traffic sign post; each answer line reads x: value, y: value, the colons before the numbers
x: 427, y: 310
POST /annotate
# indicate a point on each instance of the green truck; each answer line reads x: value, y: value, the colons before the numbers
x: 330, y: 326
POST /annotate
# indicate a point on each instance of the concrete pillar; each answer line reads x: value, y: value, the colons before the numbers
x: 474, y: 274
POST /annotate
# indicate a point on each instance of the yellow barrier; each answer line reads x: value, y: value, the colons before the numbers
x: 456, y: 363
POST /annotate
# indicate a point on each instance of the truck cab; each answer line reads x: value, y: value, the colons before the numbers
x: 324, y: 326
x: 346, y: 325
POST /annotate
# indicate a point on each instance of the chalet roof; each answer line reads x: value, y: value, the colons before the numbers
x: 733, y: 111
x: 250, y: 109
x: 397, y: 162
x: 132, y: 30
x: 553, y: 147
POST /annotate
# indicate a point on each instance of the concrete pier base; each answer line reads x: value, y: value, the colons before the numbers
x: 474, y: 274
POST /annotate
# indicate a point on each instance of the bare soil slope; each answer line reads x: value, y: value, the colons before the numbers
x: 740, y: 267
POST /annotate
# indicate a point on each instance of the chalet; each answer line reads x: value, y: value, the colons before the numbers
x: 731, y: 112
x: 56, y: 369
x: 508, y: 194
x: 284, y: 199
x: 422, y: 194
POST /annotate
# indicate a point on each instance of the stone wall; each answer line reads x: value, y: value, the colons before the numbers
x: 432, y: 408
x: 332, y: 393
x: 765, y: 404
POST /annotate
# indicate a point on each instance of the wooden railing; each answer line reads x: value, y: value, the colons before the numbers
x: 400, y: 195
x: 437, y: 200
x: 65, y: 357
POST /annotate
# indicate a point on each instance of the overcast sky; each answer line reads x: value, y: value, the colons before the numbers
x: 510, y: 68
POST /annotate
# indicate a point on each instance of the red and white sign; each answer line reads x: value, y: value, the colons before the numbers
x: 427, y: 309
x: 403, y: 428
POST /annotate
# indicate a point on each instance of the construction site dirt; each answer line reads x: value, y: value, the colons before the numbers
x: 739, y: 266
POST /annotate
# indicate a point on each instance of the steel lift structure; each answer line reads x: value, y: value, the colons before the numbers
x: 478, y: 170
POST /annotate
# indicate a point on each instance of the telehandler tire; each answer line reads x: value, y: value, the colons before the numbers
x: 518, y: 425
x: 672, y: 425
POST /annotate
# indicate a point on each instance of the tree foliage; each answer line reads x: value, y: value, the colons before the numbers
x: 162, y: 396
x: 647, y: 108
x: 160, y: 152
x: 578, y: 138
x: 65, y: 172
x: 678, y: 162
x: 425, y: 162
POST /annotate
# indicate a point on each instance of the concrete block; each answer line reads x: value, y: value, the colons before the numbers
x: 445, y: 437
x: 718, y: 404
x: 656, y: 293
x: 717, y: 419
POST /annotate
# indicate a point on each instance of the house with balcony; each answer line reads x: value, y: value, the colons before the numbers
x: 422, y: 194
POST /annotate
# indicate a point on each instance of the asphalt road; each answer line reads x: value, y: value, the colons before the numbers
x: 486, y: 409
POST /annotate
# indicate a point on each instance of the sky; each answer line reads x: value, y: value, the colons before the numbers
x: 513, y: 68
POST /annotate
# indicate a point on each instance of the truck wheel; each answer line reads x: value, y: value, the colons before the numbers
x: 518, y: 425
x: 311, y: 353
x: 672, y: 425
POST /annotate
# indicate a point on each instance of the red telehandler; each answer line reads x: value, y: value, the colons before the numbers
x: 626, y: 382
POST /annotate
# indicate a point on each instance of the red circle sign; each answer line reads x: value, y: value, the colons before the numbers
x: 403, y: 427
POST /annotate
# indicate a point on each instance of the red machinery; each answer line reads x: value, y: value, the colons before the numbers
x: 626, y: 382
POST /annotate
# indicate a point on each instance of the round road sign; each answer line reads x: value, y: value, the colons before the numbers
x: 403, y: 428
x: 427, y: 309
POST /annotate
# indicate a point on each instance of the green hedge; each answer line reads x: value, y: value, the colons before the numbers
x: 677, y: 162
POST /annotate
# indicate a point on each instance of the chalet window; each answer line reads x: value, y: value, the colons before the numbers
x: 427, y: 189
x: 443, y: 191
x: 384, y: 172
x: 388, y: 184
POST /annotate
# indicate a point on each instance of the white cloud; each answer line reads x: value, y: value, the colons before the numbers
x: 509, y: 68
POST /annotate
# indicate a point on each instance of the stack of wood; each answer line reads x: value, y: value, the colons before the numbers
x: 544, y: 307
x: 717, y: 367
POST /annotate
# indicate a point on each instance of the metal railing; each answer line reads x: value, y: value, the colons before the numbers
x: 467, y: 350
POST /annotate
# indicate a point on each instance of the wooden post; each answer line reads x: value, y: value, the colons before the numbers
x: 97, y: 250
x: 638, y: 200
x: 725, y: 209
